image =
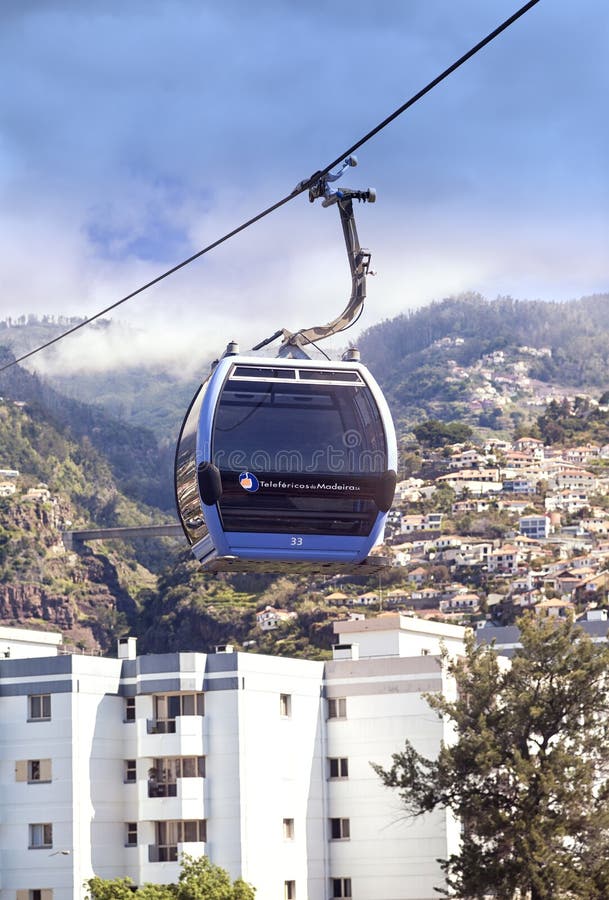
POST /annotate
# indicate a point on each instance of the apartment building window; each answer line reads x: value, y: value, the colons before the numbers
x: 35, y: 894
x: 337, y: 708
x: 41, y: 836
x: 34, y: 771
x: 39, y: 707
x: 339, y: 829
x: 168, y: 707
x: 285, y: 705
x: 170, y: 834
x: 130, y: 773
x: 163, y: 776
x: 38, y: 770
x: 289, y: 890
x: 130, y: 834
x: 339, y: 767
x: 129, y: 709
x: 341, y: 888
x: 288, y: 829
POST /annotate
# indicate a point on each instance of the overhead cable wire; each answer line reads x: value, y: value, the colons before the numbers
x: 299, y: 189
x: 428, y: 87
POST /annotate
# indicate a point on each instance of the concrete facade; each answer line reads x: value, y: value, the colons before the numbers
x: 115, y: 767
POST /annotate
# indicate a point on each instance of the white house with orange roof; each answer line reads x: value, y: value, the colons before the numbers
x: 555, y: 608
x: 476, y: 481
x: 515, y: 460
x: 580, y: 455
x: 504, y: 560
x: 573, y: 479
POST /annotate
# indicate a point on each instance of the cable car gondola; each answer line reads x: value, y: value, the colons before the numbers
x: 290, y: 461
x: 286, y: 461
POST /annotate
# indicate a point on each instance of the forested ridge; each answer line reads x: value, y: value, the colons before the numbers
x: 576, y: 332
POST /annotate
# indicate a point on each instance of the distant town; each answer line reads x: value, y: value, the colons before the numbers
x: 506, y: 527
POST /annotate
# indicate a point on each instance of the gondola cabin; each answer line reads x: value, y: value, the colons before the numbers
x: 286, y: 461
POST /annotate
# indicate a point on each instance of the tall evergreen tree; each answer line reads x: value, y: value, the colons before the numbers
x: 528, y: 772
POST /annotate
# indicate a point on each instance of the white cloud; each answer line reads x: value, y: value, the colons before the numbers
x: 135, y: 135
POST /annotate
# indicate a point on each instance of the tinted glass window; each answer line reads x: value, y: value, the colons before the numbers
x: 307, y: 428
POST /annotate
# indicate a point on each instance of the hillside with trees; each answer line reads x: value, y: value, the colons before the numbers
x: 453, y: 372
x: 419, y: 357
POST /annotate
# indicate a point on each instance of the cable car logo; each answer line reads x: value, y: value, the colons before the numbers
x: 249, y: 482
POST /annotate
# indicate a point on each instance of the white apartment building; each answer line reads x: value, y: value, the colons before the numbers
x: 115, y: 767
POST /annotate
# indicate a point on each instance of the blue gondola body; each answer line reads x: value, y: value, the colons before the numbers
x: 286, y: 460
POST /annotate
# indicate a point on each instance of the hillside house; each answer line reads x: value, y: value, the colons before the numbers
x: 464, y: 603
x: 514, y: 460
x: 581, y: 455
x: 419, y: 575
x: 40, y: 492
x: 270, y: 617
x: 574, y: 480
x: 370, y: 598
x: 416, y: 523
x: 515, y: 507
x: 568, y: 501
x: 559, y: 609
x: 594, y: 585
x: 396, y: 597
x: 337, y: 598
x: 519, y: 486
x: 535, y: 527
x: 425, y: 598
x: 475, y: 481
x: 504, y: 560
x: 409, y: 490
x: 472, y: 504
x: 596, y: 525
x: 528, y: 445
x: 466, y: 459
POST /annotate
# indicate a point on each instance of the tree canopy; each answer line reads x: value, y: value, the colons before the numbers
x: 433, y: 433
x: 528, y: 772
x: 199, y: 879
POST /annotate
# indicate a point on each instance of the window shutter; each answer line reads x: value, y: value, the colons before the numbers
x: 45, y: 773
x: 23, y: 895
x: 21, y: 775
x: 46, y: 894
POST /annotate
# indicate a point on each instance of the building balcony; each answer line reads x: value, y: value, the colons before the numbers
x: 161, y: 863
x: 181, y: 799
x: 182, y: 736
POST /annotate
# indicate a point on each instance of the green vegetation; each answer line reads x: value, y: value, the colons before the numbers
x: 434, y: 433
x: 527, y: 773
x: 572, y: 422
x: 199, y: 880
x: 412, y: 354
x: 131, y: 454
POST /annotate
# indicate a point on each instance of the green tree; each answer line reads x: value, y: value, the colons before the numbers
x: 199, y: 879
x: 433, y: 433
x: 527, y: 774
x: 110, y: 889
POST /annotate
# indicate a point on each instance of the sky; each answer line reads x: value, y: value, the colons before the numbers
x: 134, y: 134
